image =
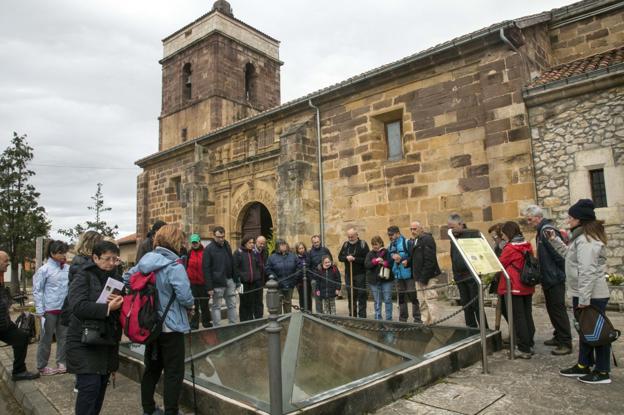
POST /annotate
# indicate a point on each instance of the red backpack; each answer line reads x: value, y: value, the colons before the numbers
x: 139, y: 317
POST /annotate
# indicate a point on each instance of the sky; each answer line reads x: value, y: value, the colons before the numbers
x: 82, y: 80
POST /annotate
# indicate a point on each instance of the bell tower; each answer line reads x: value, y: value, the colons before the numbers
x: 215, y: 71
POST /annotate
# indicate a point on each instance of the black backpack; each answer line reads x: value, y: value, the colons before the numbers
x: 594, y: 328
x: 530, y: 272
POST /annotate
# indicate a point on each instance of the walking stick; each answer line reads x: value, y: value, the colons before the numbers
x: 190, y: 336
x: 353, y: 314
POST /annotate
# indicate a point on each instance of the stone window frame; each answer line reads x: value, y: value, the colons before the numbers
x: 250, y: 80
x: 380, y: 122
x: 187, y: 81
x: 175, y: 183
x: 184, y: 134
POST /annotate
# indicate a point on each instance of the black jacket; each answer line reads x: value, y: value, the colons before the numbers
x: 83, y: 293
x: 246, y: 269
x: 552, y: 265
x: 78, y: 262
x: 372, y: 270
x: 315, y: 256
x: 460, y: 268
x: 423, y: 259
x: 327, y: 281
x: 359, y: 250
x: 218, y: 265
x: 5, y: 318
x: 283, y: 267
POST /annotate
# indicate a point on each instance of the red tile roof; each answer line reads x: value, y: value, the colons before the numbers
x: 130, y: 239
x: 580, y: 66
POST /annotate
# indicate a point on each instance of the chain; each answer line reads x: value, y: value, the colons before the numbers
x: 259, y: 288
x: 385, y: 329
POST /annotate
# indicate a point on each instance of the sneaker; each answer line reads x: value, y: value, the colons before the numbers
x: 595, y: 377
x: 25, y: 375
x: 551, y: 342
x: 47, y: 371
x: 61, y: 368
x: 523, y: 355
x: 561, y: 350
x: 575, y: 371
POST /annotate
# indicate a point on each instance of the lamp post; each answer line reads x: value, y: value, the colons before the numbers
x: 275, y: 355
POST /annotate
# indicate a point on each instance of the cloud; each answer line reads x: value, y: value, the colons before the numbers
x: 82, y: 78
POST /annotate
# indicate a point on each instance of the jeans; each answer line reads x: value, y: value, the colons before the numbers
x: 409, y: 286
x: 599, y: 355
x: 166, y: 354
x: 360, y: 295
x: 52, y: 325
x: 469, y: 289
x: 19, y: 340
x: 524, y: 327
x: 201, y: 307
x: 229, y: 294
x: 91, y: 390
x: 557, y: 312
x: 251, y: 301
x: 382, y: 292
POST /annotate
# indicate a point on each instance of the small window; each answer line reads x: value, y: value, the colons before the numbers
x: 184, y: 134
x: 395, y: 141
x: 598, y: 189
x: 250, y: 73
x: 187, y: 86
x: 176, y: 183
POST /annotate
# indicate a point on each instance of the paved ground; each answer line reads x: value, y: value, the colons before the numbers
x: 517, y: 387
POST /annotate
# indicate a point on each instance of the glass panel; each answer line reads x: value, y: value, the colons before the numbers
x: 395, y: 144
x: 206, y: 339
x: 415, y: 342
x: 598, y: 189
x: 328, y: 358
x: 241, y: 366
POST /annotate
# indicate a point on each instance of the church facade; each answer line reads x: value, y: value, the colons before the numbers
x: 452, y: 129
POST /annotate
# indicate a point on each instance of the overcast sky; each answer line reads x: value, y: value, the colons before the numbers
x: 82, y: 79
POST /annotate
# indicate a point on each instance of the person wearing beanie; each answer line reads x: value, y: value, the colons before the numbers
x: 585, y: 264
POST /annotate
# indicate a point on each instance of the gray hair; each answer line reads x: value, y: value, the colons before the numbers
x: 534, y: 210
x: 455, y: 218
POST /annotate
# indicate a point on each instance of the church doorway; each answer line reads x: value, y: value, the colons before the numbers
x: 257, y: 221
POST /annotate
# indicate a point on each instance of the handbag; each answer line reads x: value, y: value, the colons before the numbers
x: 384, y: 273
x: 95, y: 333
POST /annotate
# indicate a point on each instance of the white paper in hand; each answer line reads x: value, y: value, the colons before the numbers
x: 112, y: 287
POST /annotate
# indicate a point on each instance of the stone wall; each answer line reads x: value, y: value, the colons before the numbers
x: 218, y: 90
x: 587, y: 37
x: 572, y: 136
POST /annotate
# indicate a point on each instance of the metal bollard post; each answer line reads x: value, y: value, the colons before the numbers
x: 275, y: 355
x: 305, y: 287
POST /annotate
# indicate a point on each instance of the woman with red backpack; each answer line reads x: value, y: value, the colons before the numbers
x: 512, y: 258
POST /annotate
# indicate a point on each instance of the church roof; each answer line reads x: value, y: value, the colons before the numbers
x: 601, y: 61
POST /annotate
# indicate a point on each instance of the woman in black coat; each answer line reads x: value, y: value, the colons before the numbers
x: 93, y: 364
x: 247, y: 271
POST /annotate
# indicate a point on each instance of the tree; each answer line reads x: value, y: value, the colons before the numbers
x: 98, y: 225
x: 22, y: 220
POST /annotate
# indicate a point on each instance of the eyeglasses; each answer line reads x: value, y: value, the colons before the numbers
x: 109, y: 258
x: 413, y: 229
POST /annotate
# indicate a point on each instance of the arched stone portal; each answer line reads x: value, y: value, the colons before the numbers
x: 256, y: 220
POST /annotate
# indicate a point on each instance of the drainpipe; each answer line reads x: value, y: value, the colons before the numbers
x: 501, y: 33
x: 319, y: 161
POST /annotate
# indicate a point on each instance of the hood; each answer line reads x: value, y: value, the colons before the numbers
x: 158, y: 258
x: 520, y: 246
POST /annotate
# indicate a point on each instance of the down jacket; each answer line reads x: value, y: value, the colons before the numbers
x: 83, y: 294
x: 283, y: 267
x: 512, y: 258
x: 585, y: 265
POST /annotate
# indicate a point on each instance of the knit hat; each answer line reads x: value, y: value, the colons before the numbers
x: 583, y: 210
x: 195, y: 238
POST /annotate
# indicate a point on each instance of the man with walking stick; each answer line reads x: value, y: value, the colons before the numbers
x: 352, y: 254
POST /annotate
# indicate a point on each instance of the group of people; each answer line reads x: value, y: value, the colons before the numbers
x: 577, y: 259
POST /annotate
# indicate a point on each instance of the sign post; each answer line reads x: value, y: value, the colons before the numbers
x: 482, y: 260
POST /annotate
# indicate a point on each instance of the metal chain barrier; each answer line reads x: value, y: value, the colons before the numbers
x: 259, y: 288
x: 363, y: 326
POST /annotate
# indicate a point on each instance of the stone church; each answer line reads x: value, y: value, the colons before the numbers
x: 524, y: 111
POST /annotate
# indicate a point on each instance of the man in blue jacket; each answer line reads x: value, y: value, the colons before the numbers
x: 406, y: 286
x: 552, y: 269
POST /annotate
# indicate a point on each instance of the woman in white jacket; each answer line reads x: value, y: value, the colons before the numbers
x: 585, y: 265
